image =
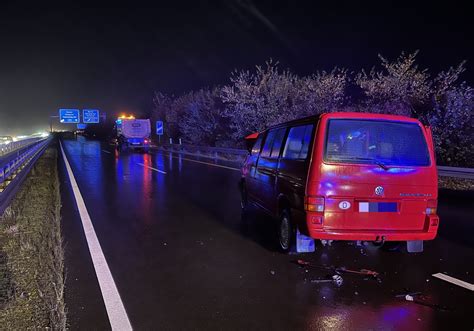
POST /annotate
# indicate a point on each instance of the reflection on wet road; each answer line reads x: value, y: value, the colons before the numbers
x: 183, y: 258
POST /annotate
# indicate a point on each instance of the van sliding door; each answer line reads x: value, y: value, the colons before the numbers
x: 266, y: 173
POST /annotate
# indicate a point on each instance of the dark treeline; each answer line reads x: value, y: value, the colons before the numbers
x: 253, y: 100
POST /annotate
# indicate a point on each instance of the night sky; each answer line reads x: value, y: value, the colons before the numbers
x: 113, y: 58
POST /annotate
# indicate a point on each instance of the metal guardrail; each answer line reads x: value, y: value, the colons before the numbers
x: 453, y: 172
x: 208, y: 149
x: 15, y: 165
x: 15, y: 145
x: 227, y: 154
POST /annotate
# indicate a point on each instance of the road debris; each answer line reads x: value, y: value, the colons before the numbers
x: 412, y: 294
x: 339, y: 270
x: 336, y: 279
x: 325, y: 242
x: 363, y: 272
x: 420, y: 299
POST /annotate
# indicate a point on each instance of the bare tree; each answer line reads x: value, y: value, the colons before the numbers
x: 400, y: 88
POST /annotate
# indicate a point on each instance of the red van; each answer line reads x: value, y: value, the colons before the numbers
x: 345, y: 176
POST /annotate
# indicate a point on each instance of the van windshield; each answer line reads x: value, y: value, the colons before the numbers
x: 384, y: 143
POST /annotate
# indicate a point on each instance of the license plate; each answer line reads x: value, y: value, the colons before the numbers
x: 377, y: 207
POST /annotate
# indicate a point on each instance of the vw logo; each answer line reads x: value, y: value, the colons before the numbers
x: 379, y: 190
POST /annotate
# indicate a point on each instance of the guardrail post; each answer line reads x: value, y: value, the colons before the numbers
x: 171, y: 141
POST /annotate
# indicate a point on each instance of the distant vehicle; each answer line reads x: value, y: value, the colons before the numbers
x: 6, y: 140
x: 345, y: 176
x: 133, y: 133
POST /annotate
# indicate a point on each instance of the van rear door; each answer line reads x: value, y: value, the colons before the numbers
x: 376, y: 175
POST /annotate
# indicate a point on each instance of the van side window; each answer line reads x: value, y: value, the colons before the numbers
x: 298, y: 141
x: 267, y: 147
x: 280, y: 134
x: 257, y: 146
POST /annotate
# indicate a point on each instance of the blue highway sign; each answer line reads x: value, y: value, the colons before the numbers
x: 159, y: 128
x: 90, y: 116
x: 81, y: 126
x: 69, y: 115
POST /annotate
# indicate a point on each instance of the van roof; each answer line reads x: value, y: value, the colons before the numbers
x: 351, y: 115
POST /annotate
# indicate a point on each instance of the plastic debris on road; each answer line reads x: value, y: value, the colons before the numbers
x: 336, y: 279
x: 304, y: 244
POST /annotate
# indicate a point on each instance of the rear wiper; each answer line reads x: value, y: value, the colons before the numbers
x: 379, y: 163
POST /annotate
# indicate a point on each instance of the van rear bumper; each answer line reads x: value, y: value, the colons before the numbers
x: 371, y: 235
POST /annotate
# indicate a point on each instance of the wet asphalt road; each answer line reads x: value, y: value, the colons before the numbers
x: 183, y: 258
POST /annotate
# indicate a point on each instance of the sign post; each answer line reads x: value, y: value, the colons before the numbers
x: 159, y: 130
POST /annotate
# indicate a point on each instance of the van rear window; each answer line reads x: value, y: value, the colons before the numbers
x: 375, y: 142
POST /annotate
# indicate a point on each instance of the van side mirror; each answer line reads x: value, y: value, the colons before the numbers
x: 250, y: 141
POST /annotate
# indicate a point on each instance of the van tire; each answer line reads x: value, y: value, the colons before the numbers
x: 286, y: 231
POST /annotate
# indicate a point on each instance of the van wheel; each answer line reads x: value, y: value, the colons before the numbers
x: 286, y: 232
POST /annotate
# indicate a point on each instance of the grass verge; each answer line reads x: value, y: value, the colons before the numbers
x: 31, y: 253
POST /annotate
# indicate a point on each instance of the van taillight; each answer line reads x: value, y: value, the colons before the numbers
x: 431, y: 207
x: 314, y: 204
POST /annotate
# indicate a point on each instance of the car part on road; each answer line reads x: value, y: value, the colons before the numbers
x: 363, y: 272
x: 304, y: 244
x: 415, y: 246
x: 406, y: 294
x: 336, y: 279
x: 420, y: 299
x: 325, y: 242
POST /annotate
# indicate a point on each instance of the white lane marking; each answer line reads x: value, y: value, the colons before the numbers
x: 106, y: 151
x: 454, y: 281
x: 202, y: 162
x: 113, y: 303
x: 151, y: 168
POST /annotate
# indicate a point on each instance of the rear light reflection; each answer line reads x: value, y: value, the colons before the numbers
x: 314, y: 204
x: 431, y: 207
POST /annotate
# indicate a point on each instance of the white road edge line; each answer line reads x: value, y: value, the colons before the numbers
x: 454, y: 281
x: 106, y: 151
x: 151, y: 168
x: 113, y: 303
x: 202, y: 162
